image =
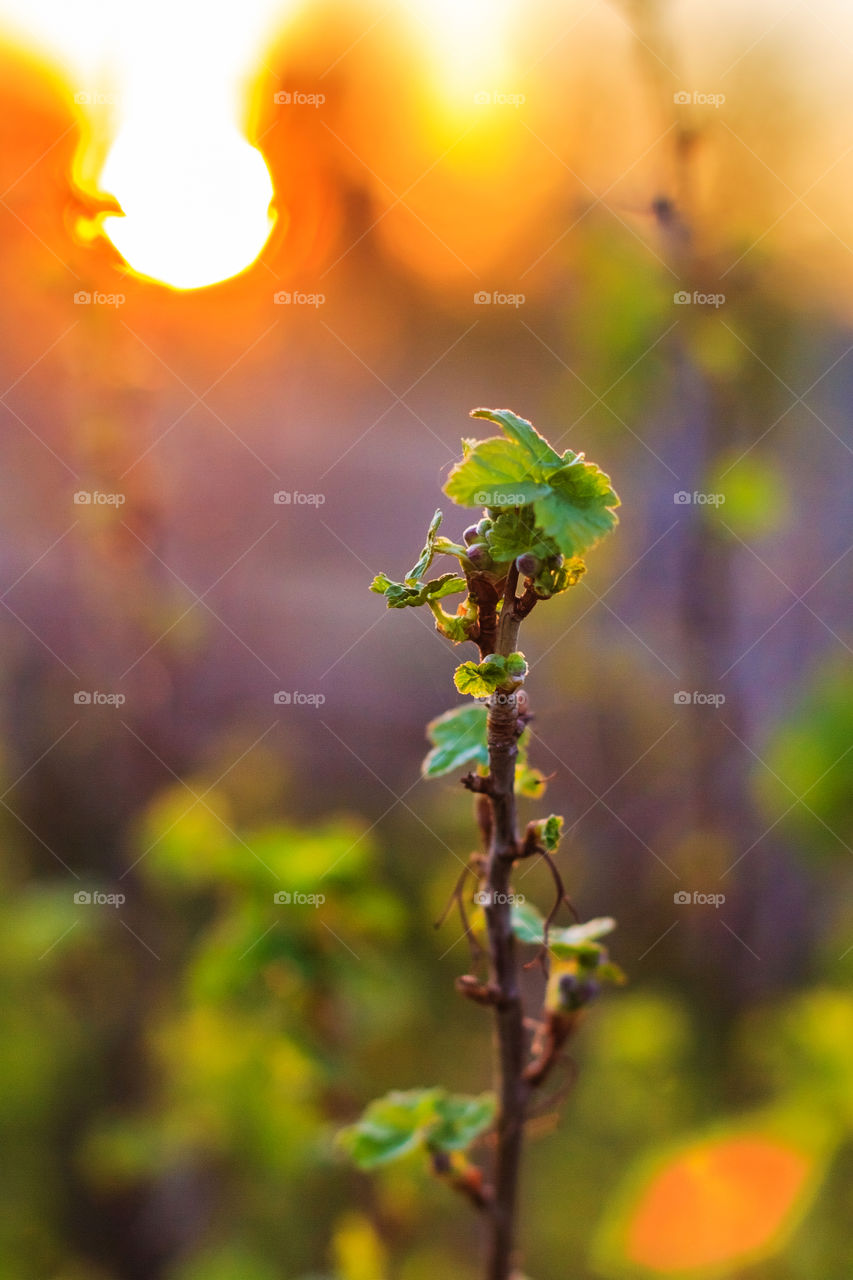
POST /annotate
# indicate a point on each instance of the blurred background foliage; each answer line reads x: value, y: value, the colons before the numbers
x: 175, y: 1068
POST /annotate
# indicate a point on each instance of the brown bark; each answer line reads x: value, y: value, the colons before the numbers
x: 513, y: 1090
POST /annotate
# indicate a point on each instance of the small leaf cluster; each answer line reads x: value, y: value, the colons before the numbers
x: 430, y: 1120
x: 541, y: 512
x: 561, y: 502
x: 580, y: 963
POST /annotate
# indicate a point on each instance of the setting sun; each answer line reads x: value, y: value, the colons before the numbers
x: 196, y: 206
x: 163, y: 93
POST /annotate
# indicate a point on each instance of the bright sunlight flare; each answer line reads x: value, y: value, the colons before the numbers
x: 163, y: 89
x: 196, y: 206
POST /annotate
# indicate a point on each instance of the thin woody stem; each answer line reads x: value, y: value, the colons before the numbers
x: 511, y: 1038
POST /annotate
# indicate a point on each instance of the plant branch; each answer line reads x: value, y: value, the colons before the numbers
x: 468, y: 1180
x: 513, y: 1090
x: 558, y: 1027
x: 508, y: 621
x: 482, y: 589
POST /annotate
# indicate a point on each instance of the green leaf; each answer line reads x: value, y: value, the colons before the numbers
x: 551, y: 832
x: 528, y: 924
x: 528, y: 782
x: 575, y: 940
x: 552, y: 582
x: 449, y: 584
x: 417, y: 572
x: 572, y: 499
x: 579, y: 939
x: 579, y: 510
x: 390, y: 1127
x: 399, y: 1123
x: 514, y: 533
x: 454, y: 626
x: 493, y: 473
x: 536, y: 448
x: 401, y: 595
x: 461, y: 1120
x: 458, y: 737
x: 479, y: 679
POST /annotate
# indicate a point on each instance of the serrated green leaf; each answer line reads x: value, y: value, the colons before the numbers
x: 402, y: 595
x: 536, y: 448
x: 579, y: 510
x: 458, y: 737
x: 417, y: 572
x: 391, y: 1127
x: 479, y: 679
x: 494, y: 473
x: 382, y: 582
x: 449, y: 584
x: 572, y: 499
x: 399, y: 1123
x: 461, y: 1119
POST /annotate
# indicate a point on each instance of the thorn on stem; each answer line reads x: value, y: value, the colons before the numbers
x: 480, y: 992
x: 478, y: 783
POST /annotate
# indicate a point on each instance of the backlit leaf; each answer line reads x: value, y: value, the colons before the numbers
x: 458, y: 737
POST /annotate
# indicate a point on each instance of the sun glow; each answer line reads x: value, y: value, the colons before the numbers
x: 163, y: 88
x: 196, y: 205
